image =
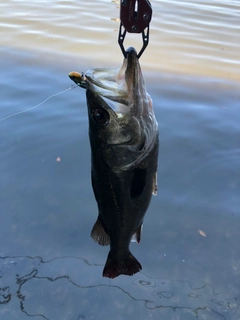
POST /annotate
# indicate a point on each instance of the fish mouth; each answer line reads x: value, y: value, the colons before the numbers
x: 133, y: 73
x: 120, y: 88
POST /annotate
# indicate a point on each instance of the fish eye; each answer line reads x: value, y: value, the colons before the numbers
x: 100, y: 116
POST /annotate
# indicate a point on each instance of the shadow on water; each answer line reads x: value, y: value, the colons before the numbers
x: 53, y: 289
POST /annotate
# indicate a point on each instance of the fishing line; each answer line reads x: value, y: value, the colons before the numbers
x: 41, y: 103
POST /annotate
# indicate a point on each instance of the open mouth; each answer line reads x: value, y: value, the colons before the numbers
x: 103, y: 80
x: 119, y: 88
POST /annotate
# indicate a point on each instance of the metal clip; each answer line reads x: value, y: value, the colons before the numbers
x: 121, y: 37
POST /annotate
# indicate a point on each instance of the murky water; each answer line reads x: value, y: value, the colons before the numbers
x: 49, y: 266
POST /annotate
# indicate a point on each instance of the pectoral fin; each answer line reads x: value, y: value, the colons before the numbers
x: 154, y: 190
x: 99, y: 235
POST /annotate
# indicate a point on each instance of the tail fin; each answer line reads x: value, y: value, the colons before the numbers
x: 114, y: 268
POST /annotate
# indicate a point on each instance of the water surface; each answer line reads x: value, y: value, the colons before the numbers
x: 49, y: 266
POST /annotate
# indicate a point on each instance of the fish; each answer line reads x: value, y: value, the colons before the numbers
x: 124, y: 140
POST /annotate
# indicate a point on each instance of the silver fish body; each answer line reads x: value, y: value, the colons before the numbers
x: 123, y: 134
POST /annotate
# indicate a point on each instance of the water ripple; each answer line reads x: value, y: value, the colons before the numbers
x: 42, y: 289
x: 186, y: 37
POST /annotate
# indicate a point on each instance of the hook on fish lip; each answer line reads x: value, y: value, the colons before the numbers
x: 78, y: 78
x: 122, y: 35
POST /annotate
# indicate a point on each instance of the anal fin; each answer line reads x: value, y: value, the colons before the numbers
x: 99, y: 235
x: 137, y: 235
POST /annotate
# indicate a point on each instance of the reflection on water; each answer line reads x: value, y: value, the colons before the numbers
x: 196, y: 37
x: 42, y: 289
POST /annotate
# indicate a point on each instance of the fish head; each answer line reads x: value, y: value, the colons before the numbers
x: 120, y: 111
